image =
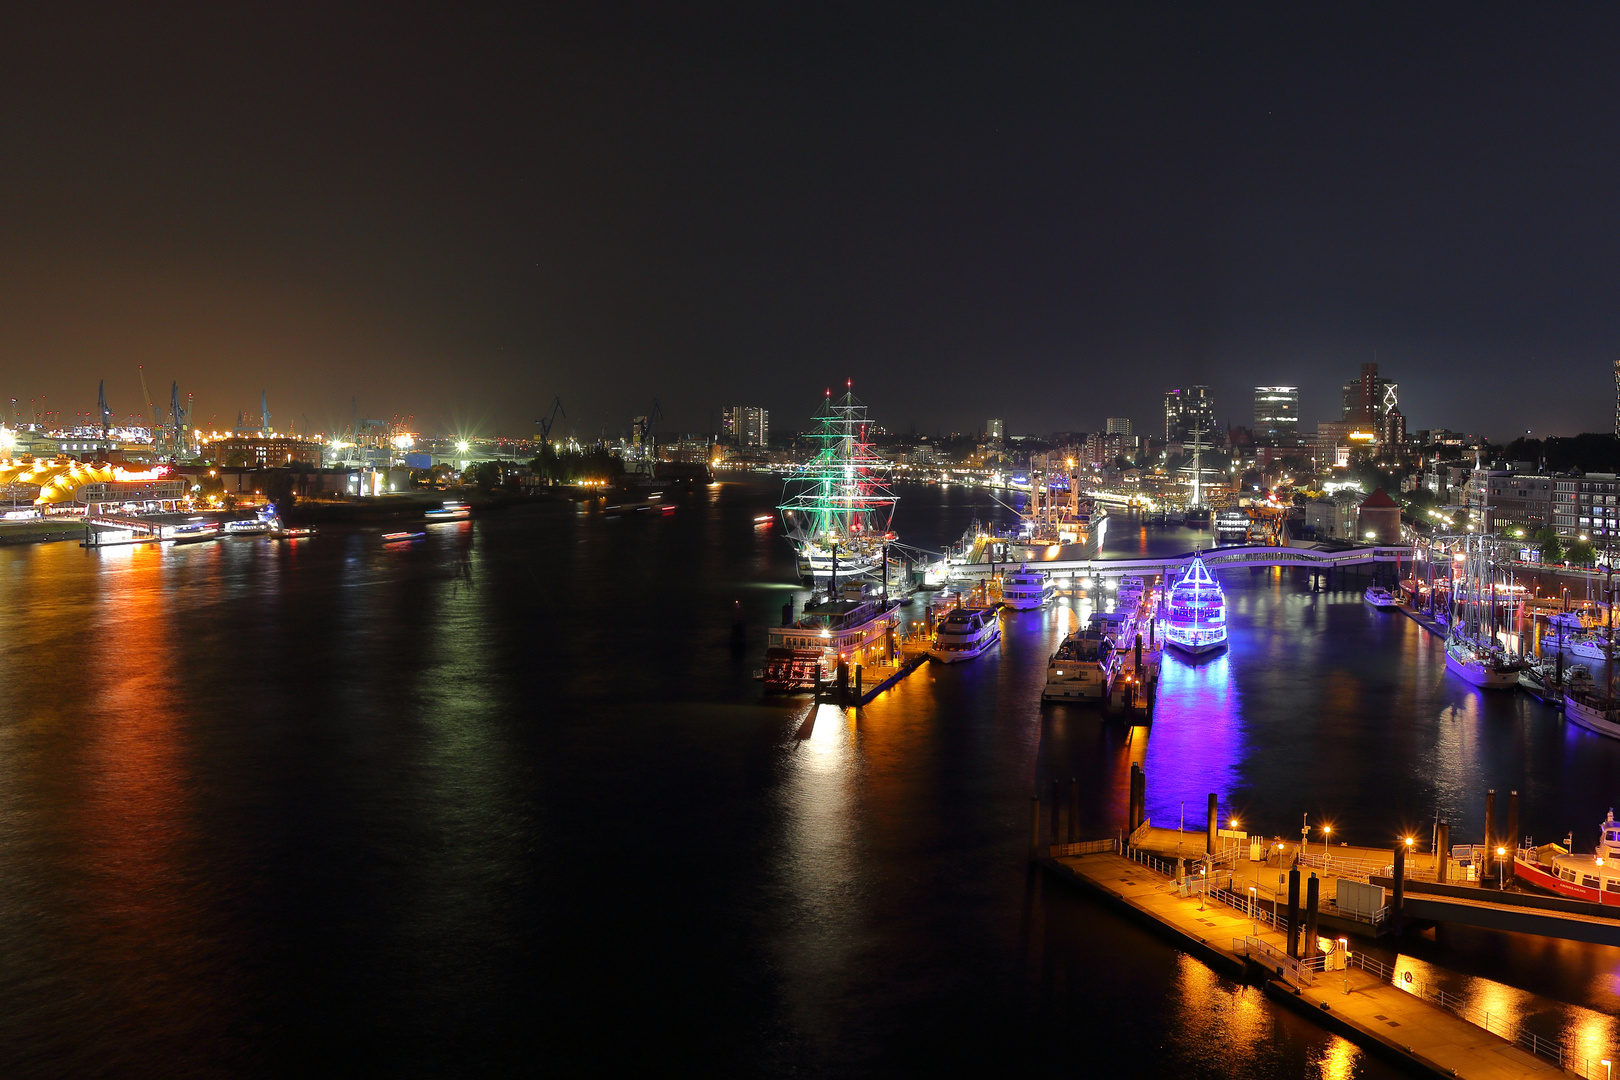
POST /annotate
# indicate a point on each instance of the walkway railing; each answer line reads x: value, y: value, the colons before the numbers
x: 1496, y: 1023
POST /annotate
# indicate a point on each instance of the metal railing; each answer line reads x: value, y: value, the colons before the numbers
x: 1496, y: 1023
x: 1084, y: 847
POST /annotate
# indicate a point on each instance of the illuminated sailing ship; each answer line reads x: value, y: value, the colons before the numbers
x: 1197, y: 622
x: 836, y: 508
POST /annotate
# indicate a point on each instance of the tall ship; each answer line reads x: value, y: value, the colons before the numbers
x: 1197, y: 618
x: 1473, y: 651
x: 837, y: 508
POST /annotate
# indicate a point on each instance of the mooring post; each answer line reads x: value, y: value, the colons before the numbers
x: 1397, y: 900
x: 787, y: 612
x: 1490, y: 833
x: 1209, y: 828
x: 858, y: 694
x: 1443, y: 855
x: 1293, y: 913
x: 816, y: 694
x: 1512, y: 843
x: 1074, y: 810
x: 1057, y: 813
x: 843, y: 681
x: 1313, y: 897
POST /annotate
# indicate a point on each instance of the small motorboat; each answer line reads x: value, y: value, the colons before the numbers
x: 1380, y: 598
x: 403, y: 537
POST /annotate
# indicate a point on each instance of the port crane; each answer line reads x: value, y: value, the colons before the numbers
x: 545, y: 425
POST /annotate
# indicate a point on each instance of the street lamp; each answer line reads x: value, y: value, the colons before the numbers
x: 1501, y: 867
x: 1327, y: 831
x: 1608, y: 1070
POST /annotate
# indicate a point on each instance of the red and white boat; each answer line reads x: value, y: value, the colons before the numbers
x: 1594, y: 878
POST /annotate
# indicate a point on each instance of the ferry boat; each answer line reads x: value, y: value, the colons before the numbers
x: 836, y: 509
x: 1486, y: 668
x: 1023, y: 589
x: 849, y: 626
x: 1129, y: 597
x: 1232, y: 527
x: 195, y: 533
x: 1197, y: 620
x: 247, y: 527
x: 1380, y: 598
x: 450, y: 511
x: 1594, y: 878
x: 1594, y: 712
x: 965, y: 633
x: 1083, y: 665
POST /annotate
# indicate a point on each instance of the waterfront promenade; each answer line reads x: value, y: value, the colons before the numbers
x: 1384, y: 1009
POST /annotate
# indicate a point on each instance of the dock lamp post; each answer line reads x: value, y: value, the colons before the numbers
x: 1501, y: 867
x: 1344, y: 945
x: 1327, y: 831
x: 1254, y: 924
x: 1608, y: 1070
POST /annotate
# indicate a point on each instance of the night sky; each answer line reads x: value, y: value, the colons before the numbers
x: 1044, y: 213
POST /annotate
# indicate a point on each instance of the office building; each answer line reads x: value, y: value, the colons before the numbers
x: 747, y: 425
x: 1118, y: 425
x: 1368, y: 399
x: 996, y: 429
x: 1276, y: 415
x: 1186, y: 410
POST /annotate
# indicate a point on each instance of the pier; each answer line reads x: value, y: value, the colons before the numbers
x: 1216, y: 558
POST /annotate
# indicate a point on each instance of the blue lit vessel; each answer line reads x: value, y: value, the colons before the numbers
x: 1197, y: 617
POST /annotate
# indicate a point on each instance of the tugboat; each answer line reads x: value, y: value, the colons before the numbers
x: 1197, y: 622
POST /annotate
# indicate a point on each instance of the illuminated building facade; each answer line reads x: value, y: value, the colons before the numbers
x: 1186, y: 410
x: 1276, y: 415
x: 747, y: 425
x: 262, y: 450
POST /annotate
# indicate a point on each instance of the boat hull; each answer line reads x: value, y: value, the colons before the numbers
x: 956, y: 656
x: 1481, y: 676
x: 1592, y: 718
x: 1537, y: 875
x: 1024, y: 603
x: 1203, y: 648
x: 1091, y: 685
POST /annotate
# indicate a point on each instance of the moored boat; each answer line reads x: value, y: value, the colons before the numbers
x: 1083, y: 665
x: 965, y: 633
x: 1486, y: 668
x: 1590, y: 647
x: 850, y: 626
x: 1196, y: 624
x: 1593, y: 711
x: 1380, y: 597
x: 1594, y: 878
x: 1024, y: 589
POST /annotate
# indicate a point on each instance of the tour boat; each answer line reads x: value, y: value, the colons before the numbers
x: 1197, y: 621
x: 1129, y: 597
x: 1380, y: 597
x: 1023, y: 589
x: 1232, y: 526
x: 965, y: 633
x: 195, y: 534
x: 1082, y: 667
x: 403, y: 537
x: 1593, y: 711
x: 247, y: 527
x: 1594, y: 878
x: 292, y: 532
x: 450, y: 511
x: 852, y: 626
x: 1484, y: 667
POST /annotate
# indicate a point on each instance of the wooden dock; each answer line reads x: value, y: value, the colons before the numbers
x: 1379, y: 1008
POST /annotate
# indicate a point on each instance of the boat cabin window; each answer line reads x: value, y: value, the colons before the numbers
x: 1567, y: 875
x: 1589, y: 881
x: 1612, y: 884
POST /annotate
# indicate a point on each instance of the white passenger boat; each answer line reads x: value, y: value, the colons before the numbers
x: 1197, y: 620
x: 1129, y: 597
x: 965, y: 633
x: 1231, y: 527
x: 853, y: 627
x: 1083, y: 665
x: 450, y: 511
x: 1380, y: 597
x: 1590, y: 647
x: 247, y: 527
x: 1594, y: 712
x: 1594, y: 878
x: 1023, y: 589
x: 1484, y: 667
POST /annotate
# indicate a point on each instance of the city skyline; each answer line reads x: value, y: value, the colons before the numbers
x: 618, y: 207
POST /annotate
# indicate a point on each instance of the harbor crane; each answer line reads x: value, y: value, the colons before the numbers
x: 545, y: 425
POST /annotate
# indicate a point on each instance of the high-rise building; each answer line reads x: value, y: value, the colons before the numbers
x: 1368, y: 399
x: 1119, y: 425
x: 1617, y: 398
x: 996, y: 429
x: 1276, y: 414
x: 747, y: 425
x: 1188, y: 409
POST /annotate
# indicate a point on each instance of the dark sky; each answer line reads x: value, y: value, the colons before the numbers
x: 1045, y: 213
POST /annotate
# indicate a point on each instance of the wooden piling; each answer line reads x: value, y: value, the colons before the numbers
x: 1490, y: 832
x: 1512, y: 844
x: 1313, y: 897
x: 1293, y: 913
x: 1442, y: 853
x: 1209, y: 828
x: 1398, y: 899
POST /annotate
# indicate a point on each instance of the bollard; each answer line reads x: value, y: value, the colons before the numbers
x: 858, y: 695
x: 1398, y: 899
x: 1490, y: 833
x: 1034, y: 826
x: 1074, y: 810
x: 1209, y: 828
x: 1513, y: 841
x: 1443, y: 853
x: 1313, y: 897
x: 842, y: 686
x: 1293, y: 913
x: 1057, y: 810
x: 816, y: 694
x: 1138, y: 657
x: 787, y: 612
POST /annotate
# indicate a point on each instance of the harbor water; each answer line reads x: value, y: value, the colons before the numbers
x: 509, y: 799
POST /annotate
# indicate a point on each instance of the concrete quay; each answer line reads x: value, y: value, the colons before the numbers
x: 1389, y: 1019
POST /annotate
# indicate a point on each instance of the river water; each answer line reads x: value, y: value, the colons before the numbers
x: 508, y: 800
